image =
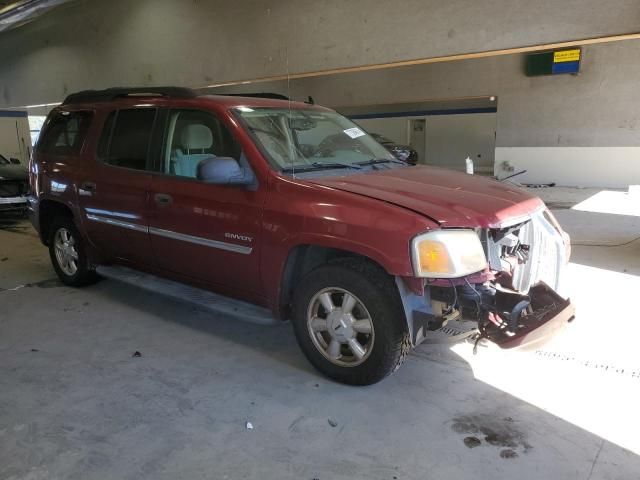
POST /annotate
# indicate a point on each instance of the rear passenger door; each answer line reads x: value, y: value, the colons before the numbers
x: 205, y: 232
x: 113, y: 190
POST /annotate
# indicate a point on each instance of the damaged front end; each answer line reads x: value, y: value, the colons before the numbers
x: 514, y: 300
x: 13, y: 190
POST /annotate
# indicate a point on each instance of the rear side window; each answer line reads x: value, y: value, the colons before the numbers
x: 126, y: 137
x: 64, y: 133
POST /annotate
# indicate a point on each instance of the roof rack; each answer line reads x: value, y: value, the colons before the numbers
x: 275, y: 96
x: 92, y: 96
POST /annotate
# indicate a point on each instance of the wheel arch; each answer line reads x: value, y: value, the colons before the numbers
x: 302, y: 259
x: 48, y: 210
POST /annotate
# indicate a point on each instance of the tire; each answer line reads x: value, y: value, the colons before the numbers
x: 382, y: 335
x: 64, y: 235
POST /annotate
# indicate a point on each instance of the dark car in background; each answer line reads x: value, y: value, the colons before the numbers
x: 13, y: 187
x: 401, y: 152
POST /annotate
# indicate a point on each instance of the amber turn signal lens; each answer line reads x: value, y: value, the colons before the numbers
x: 434, y: 257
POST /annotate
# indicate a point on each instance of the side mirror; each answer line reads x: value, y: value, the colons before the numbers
x: 14, y: 161
x: 223, y: 171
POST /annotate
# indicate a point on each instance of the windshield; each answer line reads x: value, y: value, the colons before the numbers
x: 380, y: 138
x: 3, y: 161
x: 309, y: 140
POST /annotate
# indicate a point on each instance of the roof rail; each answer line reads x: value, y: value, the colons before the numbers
x: 92, y: 96
x: 275, y: 96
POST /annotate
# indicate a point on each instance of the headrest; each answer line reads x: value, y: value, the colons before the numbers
x: 196, y: 136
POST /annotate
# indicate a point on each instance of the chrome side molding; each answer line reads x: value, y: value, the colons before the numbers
x: 206, y: 242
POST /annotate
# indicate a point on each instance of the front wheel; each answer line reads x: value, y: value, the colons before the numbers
x: 349, y: 322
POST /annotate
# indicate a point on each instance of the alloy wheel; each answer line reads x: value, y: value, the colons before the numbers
x: 66, y: 251
x: 340, y: 327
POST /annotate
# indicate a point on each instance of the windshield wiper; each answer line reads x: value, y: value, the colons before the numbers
x: 335, y: 165
x: 320, y: 166
x: 376, y: 161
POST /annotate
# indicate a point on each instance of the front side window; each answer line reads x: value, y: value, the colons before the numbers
x: 64, y: 133
x: 312, y: 140
x: 126, y: 138
x: 193, y: 136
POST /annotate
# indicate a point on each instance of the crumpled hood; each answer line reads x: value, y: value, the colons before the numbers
x: 13, y: 172
x: 452, y: 199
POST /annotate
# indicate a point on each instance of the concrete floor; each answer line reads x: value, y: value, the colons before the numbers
x: 75, y: 404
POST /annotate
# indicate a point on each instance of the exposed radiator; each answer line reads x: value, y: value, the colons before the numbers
x: 530, y: 251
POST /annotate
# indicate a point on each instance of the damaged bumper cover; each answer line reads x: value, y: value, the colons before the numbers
x: 517, y: 320
x: 507, y: 318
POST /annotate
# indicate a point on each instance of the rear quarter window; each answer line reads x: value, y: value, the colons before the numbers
x: 64, y: 133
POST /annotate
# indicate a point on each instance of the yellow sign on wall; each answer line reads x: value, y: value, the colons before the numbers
x: 566, y: 56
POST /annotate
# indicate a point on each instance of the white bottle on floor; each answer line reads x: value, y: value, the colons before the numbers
x: 469, y: 163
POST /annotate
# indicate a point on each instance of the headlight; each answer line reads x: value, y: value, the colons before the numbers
x: 447, y: 254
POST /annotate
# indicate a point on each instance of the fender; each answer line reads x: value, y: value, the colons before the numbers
x: 300, y: 213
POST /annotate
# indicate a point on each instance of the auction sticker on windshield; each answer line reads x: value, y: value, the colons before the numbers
x: 354, y: 132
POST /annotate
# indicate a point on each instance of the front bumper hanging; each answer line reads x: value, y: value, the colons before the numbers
x: 517, y: 320
x: 505, y: 317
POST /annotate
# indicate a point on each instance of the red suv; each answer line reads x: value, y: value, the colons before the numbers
x: 250, y: 205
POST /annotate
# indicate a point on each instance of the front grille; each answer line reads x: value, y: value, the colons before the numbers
x: 546, y: 254
x: 531, y: 252
x: 13, y: 188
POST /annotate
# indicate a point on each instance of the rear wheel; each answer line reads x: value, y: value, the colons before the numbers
x: 349, y: 322
x: 68, y: 254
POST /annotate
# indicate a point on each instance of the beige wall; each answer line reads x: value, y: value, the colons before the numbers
x: 450, y: 139
x: 101, y: 43
x: 98, y: 43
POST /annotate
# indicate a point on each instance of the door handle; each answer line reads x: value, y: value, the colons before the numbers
x: 88, y: 186
x: 163, y: 198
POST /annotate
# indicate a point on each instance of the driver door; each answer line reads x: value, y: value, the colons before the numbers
x: 203, y: 232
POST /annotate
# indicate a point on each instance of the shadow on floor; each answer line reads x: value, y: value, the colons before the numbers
x: 276, y: 341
